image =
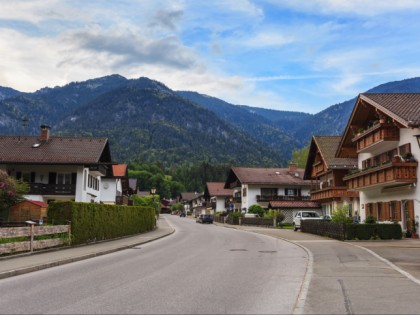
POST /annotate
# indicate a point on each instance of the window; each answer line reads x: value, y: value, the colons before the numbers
x: 64, y: 178
x: 292, y: 192
x: 404, y: 149
x: 244, y: 192
x: 269, y: 192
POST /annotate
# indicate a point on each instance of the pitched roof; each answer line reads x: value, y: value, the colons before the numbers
x: 57, y: 150
x: 187, y: 196
x: 217, y: 189
x: 327, y: 147
x: 293, y: 204
x: 119, y: 170
x: 269, y: 176
x: 403, y: 107
x: 38, y: 203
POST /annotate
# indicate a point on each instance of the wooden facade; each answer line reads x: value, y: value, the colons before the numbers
x: 387, y: 174
x: 28, y: 210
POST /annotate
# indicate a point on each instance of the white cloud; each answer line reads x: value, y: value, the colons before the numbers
x: 355, y: 7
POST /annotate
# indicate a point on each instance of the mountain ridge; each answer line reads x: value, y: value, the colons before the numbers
x: 146, y: 120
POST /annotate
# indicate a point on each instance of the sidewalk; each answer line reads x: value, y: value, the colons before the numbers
x: 24, y: 263
x: 403, y: 254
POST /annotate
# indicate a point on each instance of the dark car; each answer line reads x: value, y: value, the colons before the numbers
x: 182, y: 215
x: 205, y: 218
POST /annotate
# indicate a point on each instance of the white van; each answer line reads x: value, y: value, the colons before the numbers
x: 304, y: 215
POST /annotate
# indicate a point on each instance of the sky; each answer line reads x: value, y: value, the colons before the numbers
x: 298, y: 55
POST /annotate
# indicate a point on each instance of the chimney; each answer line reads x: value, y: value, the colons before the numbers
x: 292, y: 167
x: 45, y: 133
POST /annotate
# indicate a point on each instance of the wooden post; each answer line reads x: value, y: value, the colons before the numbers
x: 31, y: 243
x: 274, y: 221
x: 69, y: 232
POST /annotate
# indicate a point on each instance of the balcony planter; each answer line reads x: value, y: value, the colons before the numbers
x: 396, y: 159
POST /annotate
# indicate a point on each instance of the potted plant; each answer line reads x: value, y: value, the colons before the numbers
x: 409, y: 157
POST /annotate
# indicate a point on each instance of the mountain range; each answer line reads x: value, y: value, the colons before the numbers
x: 148, y: 122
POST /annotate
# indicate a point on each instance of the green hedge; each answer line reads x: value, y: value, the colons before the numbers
x: 373, y: 231
x: 92, y: 222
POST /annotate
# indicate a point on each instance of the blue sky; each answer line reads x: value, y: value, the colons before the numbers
x: 297, y: 55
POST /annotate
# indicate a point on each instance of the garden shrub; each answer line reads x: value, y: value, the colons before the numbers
x: 92, y: 222
x: 373, y: 231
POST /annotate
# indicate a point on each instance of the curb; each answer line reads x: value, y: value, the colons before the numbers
x: 16, y: 272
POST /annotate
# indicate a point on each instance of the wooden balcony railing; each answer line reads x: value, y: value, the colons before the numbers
x: 262, y: 198
x: 51, y: 189
x: 405, y: 172
x: 376, y: 134
x: 331, y: 193
x: 317, y: 168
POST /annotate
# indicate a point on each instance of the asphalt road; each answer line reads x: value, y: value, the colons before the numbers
x: 200, y: 269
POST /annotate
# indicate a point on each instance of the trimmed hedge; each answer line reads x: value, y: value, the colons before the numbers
x: 373, y: 231
x: 92, y: 222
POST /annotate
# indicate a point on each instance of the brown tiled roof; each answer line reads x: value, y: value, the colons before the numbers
x: 217, y: 189
x: 187, y: 196
x: 275, y: 176
x: 57, y: 150
x: 403, y: 107
x: 293, y: 204
x: 327, y: 145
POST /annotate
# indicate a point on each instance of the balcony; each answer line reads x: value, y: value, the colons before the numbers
x: 383, y: 175
x: 51, y: 189
x: 267, y: 198
x: 317, y: 169
x: 376, y: 134
x: 331, y: 193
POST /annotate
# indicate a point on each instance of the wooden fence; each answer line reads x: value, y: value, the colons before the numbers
x: 30, y: 232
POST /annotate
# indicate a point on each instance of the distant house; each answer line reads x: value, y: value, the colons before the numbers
x: 193, y: 202
x: 132, y: 186
x: 115, y: 185
x: 217, y: 196
x: 57, y: 168
x: 276, y: 188
x: 28, y: 210
x: 327, y: 172
x: 383, y: 134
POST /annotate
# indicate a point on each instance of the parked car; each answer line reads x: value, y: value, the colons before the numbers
x: 304, y: 215
x: 326, y: 217
x: 204, y: 218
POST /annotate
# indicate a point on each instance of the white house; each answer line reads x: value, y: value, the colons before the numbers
x: 115, y: 185
x: 57, y: 168
x: 217, y: 196
x: 383, y: 134
x: 276, y: 188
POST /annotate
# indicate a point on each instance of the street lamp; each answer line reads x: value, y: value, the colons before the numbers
x: 153, y: 192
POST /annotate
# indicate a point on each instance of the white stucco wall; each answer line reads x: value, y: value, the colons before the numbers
x: 373, y: 195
